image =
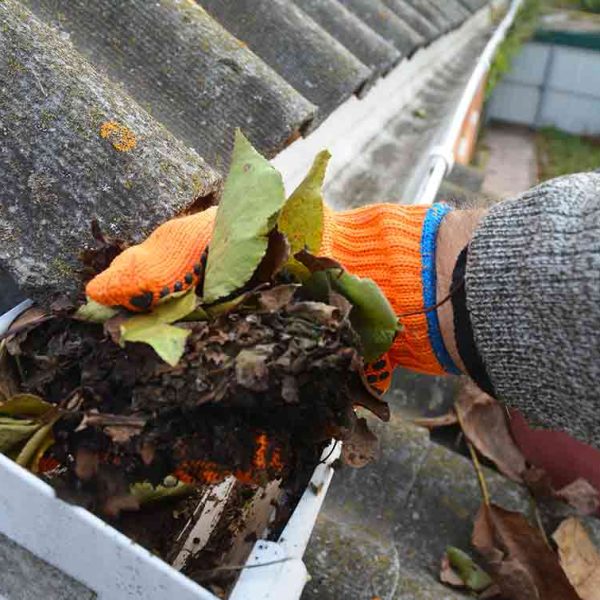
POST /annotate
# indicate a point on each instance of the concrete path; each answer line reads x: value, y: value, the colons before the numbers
x: 512, y: 163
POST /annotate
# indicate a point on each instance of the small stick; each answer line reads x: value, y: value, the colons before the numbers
x: 476, y: 464
x: 538, y: 520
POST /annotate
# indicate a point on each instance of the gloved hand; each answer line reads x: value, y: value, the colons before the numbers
x: 392, y: 244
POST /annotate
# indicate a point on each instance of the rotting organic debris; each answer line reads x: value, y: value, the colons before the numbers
x: 114, y: 408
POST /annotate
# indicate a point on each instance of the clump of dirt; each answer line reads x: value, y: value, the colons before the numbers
x: 253, y: 394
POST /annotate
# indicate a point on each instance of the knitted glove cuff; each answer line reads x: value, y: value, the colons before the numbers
x: 395, y: 246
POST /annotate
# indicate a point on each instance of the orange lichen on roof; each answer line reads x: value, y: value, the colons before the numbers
x: 120, y: 136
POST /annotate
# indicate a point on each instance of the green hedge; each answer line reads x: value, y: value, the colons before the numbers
x: 521, y: 31
x: 593, y: 5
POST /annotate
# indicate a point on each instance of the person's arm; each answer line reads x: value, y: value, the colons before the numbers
x: 532, y: 302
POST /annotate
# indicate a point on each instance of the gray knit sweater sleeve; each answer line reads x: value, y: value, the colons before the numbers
x: 533, y: 294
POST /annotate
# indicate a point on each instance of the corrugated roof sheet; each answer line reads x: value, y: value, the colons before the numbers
x: 432, y: 13
x: 188, y: 71
x: 301, y: 51
x: 473, y: 5
x: 387, y: 24
x: 367, y: 45
x: 415, y: 19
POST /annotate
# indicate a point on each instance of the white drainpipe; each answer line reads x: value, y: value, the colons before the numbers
x: 441, y: 157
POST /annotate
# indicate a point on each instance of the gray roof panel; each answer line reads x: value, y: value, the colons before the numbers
x: 473, y: 5
x: 367, y: 45
x: 302, y: 52
x: 415, y: 19
x: 387, y: 24
x: 74, y: 147
x: 432, y: 14
x: 457, y: 11
x: 188, y: 71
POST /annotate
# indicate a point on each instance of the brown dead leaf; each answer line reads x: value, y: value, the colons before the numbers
x: 112, y: 327
x: 114, y: 505
x: 581, y: 495
x: 278, y: 251
x: 361, y: 446
x: 275, y: 298
x: 316, y: 311
x: 341, y: 303
x: 8, y: 377
x: 521, y: 563
x: 121, y: 434
x: 361, y: 395
x: 538, y: 482
x: 485, y: 425
x: 317, y: 263
x: 86, y: 464
x: 29, y: 319
x: 251, y: 369
x: 579, y: 558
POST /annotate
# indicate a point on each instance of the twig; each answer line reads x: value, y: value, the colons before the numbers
x: 243, y: 567
x: 538, y: 520
x: 476, y: 465
x: 324, y: 460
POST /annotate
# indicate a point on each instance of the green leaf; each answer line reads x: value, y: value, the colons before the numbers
x: 301, y: 219
x: 94, y: 312
x: 154, y: 328
x: 15, y: 431
x: 28, y: 405
x: 251, y: 201
x: 372, y: 316
x: 474, y: 577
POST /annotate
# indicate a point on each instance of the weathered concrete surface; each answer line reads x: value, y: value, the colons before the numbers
x: 73, y: 147
x: 365, y: 567
x: 23, y: 576
x: 511, y: 166
x: 412, y: 503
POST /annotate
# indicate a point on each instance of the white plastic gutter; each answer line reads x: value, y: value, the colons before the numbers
x: 276, y: 570
x: 442, y: 155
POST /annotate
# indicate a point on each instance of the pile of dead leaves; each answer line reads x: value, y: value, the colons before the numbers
x: 521, y: 563
x: 249, y: 374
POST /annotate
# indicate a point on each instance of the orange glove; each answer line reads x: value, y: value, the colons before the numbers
x: 392, y: 244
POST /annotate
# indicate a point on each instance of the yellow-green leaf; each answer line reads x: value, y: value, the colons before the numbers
x: 156, y: 330
x: 146, y: 493
x: 168, y: 341
x: 301, y: 219
x: 15, y: 431
x: 252, y: 198
x: 27, y: 405
x: 38, y: 440
x: 94, y: 312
